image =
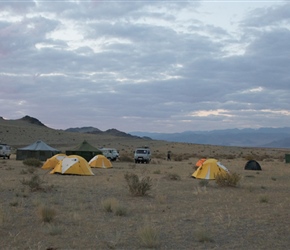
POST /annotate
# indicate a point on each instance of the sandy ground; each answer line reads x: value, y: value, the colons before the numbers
x: 184, y: 215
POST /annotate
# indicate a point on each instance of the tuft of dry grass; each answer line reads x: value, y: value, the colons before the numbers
x: 109, y: 204
x: 149, y: 236
x: 47, y: 214
x: 54, y: 229
x: 112, y: 205
x: 264, y: 199
x: 203, y: 235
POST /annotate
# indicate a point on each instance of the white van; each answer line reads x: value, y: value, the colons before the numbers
x: 111, y: 153
x: 5, y: 151
x: 142, y: 155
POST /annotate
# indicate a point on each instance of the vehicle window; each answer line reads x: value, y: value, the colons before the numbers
x: 139, y: 151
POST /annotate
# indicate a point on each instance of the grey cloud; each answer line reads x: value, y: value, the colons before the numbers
x: 144, y: 74
x: 268, y: 16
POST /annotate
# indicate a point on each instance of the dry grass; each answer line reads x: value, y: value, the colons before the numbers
x: 184, y: 214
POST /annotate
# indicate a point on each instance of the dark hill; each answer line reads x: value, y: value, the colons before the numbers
x: 32, y: 120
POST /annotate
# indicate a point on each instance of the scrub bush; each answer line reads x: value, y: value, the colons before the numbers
x: 32, y: 162
x: 138, y: 186
x: 227, y: 179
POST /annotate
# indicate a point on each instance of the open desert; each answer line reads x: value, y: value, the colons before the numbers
x: 177, y: 212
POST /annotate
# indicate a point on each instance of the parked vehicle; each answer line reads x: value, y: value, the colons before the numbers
x: 111, y: 153
x: 5, y: 151
x: 142, y: 155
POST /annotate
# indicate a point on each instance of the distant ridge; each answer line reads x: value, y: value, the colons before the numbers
x: 262, y: 137
x: 116, y: 132
x: 84, y: 130
x: 32, y: 120
x: 93, y: 130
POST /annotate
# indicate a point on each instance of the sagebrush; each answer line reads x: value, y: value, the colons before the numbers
x: 138, y: 186
x: 227, y: 179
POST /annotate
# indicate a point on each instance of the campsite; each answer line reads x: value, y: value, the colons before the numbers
x: 180, y: 211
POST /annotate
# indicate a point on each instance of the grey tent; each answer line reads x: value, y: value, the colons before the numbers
x: 38, y: 150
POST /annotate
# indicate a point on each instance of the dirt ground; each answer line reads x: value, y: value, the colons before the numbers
x: 184, y: 215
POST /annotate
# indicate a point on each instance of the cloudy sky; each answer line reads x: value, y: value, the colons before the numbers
x: 154, y: 66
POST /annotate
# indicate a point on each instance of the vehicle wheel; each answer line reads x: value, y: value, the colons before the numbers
x: 8, y: 157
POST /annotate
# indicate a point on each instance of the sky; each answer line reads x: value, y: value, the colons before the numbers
x: 151, y: 66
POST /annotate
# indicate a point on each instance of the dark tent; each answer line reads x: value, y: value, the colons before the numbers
x: 38, y: 150
x: 252, y: 165
x: 84, y: 150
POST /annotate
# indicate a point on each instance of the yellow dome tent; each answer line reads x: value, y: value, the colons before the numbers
x: 100, y: 161
x: 209, y: 169
x: 73, y: 164
x: 51, y: 162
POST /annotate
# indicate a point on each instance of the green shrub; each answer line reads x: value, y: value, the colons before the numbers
x: 227, y: 179
x: 137, y: 186
x: 32, y: 162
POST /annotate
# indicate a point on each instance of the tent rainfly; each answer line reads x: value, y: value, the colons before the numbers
x: 209, y: 169
x: 39, y: 150
x: 73, y: 165
x: 100, y: 161
x: 84, y: 150
x: 200, y: 162
x: 52, y: 161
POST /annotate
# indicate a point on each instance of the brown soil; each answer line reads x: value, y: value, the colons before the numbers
x: 253, y: 215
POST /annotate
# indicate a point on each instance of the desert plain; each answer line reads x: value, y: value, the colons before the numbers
x: 180, y: 211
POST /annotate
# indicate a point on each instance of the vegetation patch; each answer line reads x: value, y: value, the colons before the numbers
x: 47, y: 214
x: 149, y: 236
x: 138, y: 186
x: 34, y: 183
x: 264, y: 199
x: 203, y: 183
x: 203, y: 235
x: 227, y: 179
x: 109, y: 204
x: 32, y: 162
x: 173, y: 177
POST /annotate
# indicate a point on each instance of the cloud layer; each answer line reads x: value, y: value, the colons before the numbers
x: 145, y: 65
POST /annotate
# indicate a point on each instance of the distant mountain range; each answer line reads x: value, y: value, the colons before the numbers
x: 262, y: 137
x: 93, y: 130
